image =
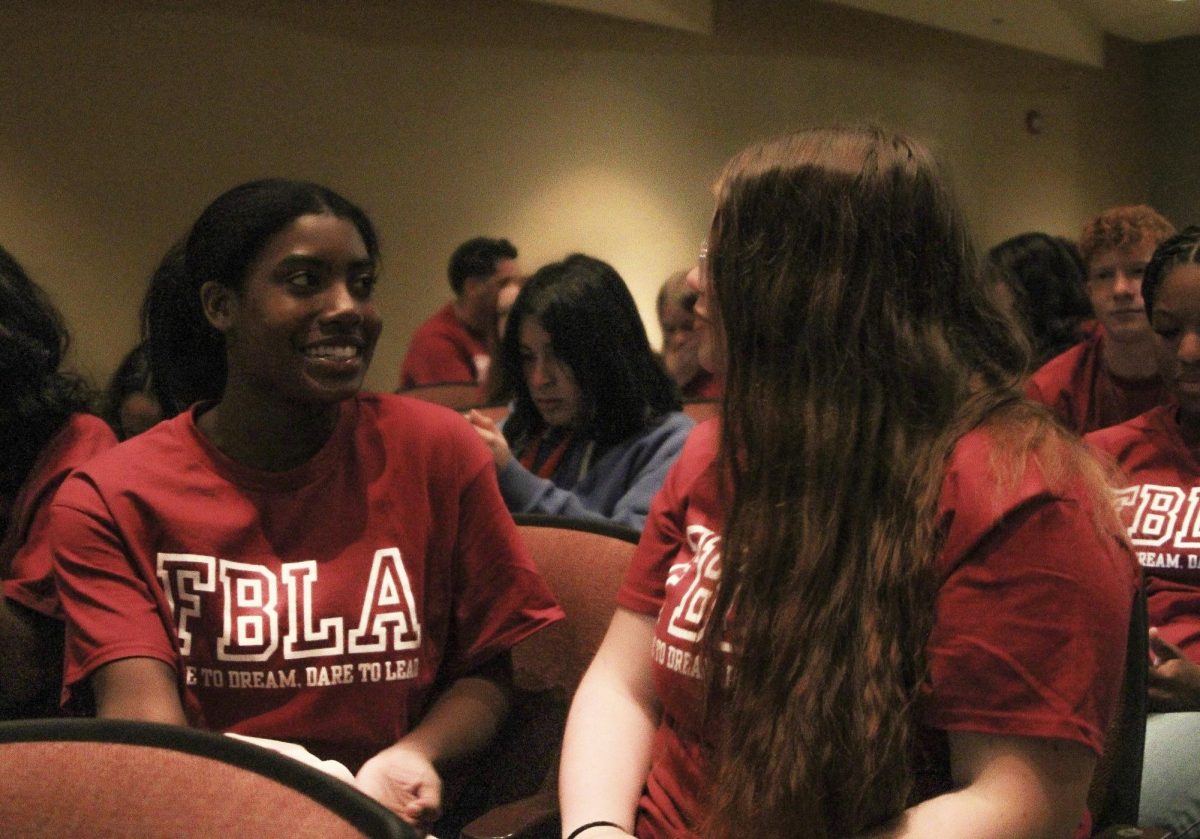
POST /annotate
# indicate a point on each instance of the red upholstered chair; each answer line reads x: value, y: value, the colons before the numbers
x: 66, y: 778
x: 584, y: 563
x: 457, y: 395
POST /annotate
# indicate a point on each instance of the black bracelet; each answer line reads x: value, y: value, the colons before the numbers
x: 590, y: 825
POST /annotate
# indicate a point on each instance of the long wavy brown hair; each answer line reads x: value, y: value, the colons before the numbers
x: 859, y: 345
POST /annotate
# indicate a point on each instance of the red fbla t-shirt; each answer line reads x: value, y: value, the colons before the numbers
x: 1160, y: 504
x: 1084, y: 395
x: 322, y: 605
x: 1033, y: 602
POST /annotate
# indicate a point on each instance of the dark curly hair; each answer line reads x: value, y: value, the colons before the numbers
x: 39, y: 397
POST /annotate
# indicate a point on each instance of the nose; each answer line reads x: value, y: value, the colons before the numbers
x: 341, y: 305
x: 541, y: 374
x: 1126, y: 284
x: 1189, y: 349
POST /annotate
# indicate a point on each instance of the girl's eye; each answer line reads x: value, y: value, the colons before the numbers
x: 1167, y: 333
x: 364, y: 284
x: 305, y: 279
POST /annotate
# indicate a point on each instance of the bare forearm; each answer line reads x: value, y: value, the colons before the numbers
x: 610, y: 730
x: 1008, y: 786
x: 138, y: 689
x: 465, y: 717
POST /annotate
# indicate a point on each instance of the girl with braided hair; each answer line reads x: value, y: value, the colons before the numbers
x: 1159, y: 454
x: 880, y: 594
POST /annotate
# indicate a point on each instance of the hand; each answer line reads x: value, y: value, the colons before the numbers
x: 405, y: 782
x: 1173, y: 683
x: 491, y: 435
x: 682, y: 360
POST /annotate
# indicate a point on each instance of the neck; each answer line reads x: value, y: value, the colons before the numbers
x: 1189, y: 428
x: 269, y: 436
x: 463, y: 313
x: 1131, y: 359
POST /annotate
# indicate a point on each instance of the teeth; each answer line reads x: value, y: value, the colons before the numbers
x: 336, y: 353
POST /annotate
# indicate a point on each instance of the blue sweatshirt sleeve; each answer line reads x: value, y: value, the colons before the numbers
x: 618, y: 488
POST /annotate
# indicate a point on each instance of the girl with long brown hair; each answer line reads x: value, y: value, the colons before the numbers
x: 915, y: 578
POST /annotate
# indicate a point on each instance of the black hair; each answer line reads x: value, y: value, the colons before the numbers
x: 596, y: 331
x: 132, y: 376
x: 1180, y: 249
x: 1046, y: 277
x: 477, y: 258
x: 187, y: 355
x: 38, y: 396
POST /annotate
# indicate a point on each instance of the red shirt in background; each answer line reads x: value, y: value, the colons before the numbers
x: 1084, y: 395
x: 442, y: 350
x: 25, y: 550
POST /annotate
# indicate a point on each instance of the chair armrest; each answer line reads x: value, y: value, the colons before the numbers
x: 534, y: 816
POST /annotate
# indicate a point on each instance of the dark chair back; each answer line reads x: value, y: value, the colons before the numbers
x: 1115, y: 792
x: 584, y: 563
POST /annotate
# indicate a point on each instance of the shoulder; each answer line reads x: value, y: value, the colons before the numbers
x: 81, y: 437
x: 418, y: 428
x: 1117, y: 437
x: 1064, y: 365
x: 977, y: 495
x: 440, y: 324
x: 147, y: 457
x: 675, y: 426
x: 699, y: 453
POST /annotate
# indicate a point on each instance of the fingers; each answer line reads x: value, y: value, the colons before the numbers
x: 1162, y: 649
x: 480, y: 421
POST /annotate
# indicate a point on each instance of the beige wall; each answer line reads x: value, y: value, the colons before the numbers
x: 1174, y: 146
x: 446, y: 118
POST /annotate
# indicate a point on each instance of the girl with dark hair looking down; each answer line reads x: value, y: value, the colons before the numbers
x: 881, y: 593
x: 289, y: 558
x: 596, y: 422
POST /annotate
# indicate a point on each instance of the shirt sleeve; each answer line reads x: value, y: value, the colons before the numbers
x: 499, y: 597
x: 29, y: 579
x: 1031, y: 627
x: 111, y: 612
x: 527, y: 493
x: 644, y: 587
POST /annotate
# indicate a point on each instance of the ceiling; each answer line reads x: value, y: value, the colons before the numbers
x: 1069, y: 29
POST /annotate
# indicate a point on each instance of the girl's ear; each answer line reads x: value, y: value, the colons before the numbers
x: 218, y: 302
